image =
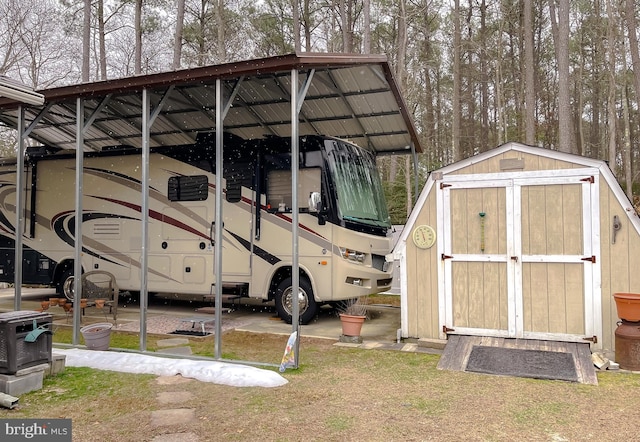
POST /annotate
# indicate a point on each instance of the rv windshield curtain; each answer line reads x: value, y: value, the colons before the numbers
x: 358, y: 187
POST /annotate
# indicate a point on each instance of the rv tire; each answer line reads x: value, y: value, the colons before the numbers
x: 284, y: 301
x: 65, y: 284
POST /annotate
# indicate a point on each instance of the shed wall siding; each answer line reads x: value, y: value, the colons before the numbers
x: 422, y: 284
x: 620, y: 261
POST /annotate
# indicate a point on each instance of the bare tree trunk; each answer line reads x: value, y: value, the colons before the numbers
x: 138, y: 43
x: 296, y: 26
x: 579, y: 98
x: 346, y: 47
x: 611, y: 103
x: 366, y: 38
x: 627, y: 145
x: 560, y: 28
x: 177, y: 41
x: 484, y: 93
x: 595, y: 142
x: 635, y: 60
x: 529, y: 93
x: 457, y: 49
x: 307, y: 26
x: 101, y: 38
x: 501, y: 130
x: 86, y: 40
x: 222, y: 52
x: 401, y: 71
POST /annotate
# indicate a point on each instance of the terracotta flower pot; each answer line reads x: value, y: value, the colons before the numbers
x: 628, y: 305
x: 351, y: 325
x: 99, y: 303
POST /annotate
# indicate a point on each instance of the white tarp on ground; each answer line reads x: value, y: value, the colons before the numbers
x: 235, y: 375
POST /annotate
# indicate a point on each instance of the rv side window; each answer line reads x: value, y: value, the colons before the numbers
x: 188, y: 188
x: 279, y: 188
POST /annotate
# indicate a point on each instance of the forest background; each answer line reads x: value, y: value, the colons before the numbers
x: 559, y: 74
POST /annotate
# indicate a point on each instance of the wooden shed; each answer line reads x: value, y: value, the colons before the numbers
x: 519, y: 242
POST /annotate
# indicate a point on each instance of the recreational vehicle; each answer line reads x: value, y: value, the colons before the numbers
x: 344, y: 223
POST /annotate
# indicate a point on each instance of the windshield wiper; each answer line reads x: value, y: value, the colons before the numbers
x: 358, y: 218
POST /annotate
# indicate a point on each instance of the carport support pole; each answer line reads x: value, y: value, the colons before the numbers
x: 144, y: 249
x: 219, y: 221
x: 17, y: 300
x: 295, y: 266
x: 77, y: 260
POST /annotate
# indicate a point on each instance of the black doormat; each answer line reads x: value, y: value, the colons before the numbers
x: 538, y: 364
x: 189, y: 333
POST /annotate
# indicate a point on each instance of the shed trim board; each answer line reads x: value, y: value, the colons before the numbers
x: 580, y: 181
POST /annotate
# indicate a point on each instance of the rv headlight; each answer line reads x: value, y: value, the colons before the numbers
x: 352, y: 255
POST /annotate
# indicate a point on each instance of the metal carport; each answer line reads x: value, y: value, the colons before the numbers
x: 348, y: 96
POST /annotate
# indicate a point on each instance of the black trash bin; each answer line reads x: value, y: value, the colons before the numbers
x: 25, y: 340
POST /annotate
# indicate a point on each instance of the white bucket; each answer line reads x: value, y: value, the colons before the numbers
x: 97, y: 336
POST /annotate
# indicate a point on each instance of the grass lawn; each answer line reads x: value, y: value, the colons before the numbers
x: 338, y: 394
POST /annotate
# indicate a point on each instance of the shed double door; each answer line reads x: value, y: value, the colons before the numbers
x: 519, y: 255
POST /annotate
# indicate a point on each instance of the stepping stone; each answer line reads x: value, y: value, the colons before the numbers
x: 172, y: 380
x: 175, y: 416
x: 174, y: 397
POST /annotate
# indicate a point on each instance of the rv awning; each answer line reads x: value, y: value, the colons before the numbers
x: 348, y: 96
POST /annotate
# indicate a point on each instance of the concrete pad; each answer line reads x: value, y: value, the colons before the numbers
x: 33, y: 369
x: 347, y: 344
x: 373, y: 345
x: 410, y: 347
x: 176, y: 437
x: 17, y: 385
x: 172, y: 342
x: 174, y: 397
x: 57, y: 365
x: 175, y: 416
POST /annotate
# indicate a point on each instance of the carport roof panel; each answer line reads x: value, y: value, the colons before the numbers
x: 350, y: 96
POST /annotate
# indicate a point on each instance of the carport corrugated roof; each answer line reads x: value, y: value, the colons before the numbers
x: 349, y: 96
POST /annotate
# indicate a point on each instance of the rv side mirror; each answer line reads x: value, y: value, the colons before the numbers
x: 315, y: 206
x: 314, y: 202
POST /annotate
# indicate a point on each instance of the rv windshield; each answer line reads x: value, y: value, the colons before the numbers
x: 358, y: 187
